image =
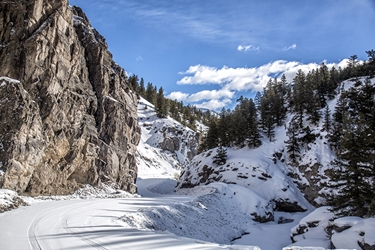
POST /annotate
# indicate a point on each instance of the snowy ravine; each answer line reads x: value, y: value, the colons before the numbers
x: 213, y: 216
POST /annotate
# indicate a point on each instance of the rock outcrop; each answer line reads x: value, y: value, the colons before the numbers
x: 69, y: 118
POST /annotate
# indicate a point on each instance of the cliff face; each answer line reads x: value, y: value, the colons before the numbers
x: 69, y: 117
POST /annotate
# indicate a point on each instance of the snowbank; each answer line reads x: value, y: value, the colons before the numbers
x: 87, y: 192
x: 311, y: 229
x: 9, y: 200
x: 358, y: 233
x: 220, y: 215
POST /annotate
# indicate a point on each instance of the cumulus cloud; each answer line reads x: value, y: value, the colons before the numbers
x: 247, y: 48
x: 210, y: 94
x: 202, y: 95
x: 236, y: 79
x: 233, y: 80
x: 177, y: 95
x: 214, y: 104
x: 294, y: 46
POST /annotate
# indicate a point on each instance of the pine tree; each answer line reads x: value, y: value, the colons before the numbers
x: 292, y: 144
x: 210, y: 139
x: 371, y: 62
x: 221, y: 156
x: 333, y: 83
x: 150, y: 93
x: 299, y: 96
x: 133, y: 83
x: 354, y: 173
x: 161, y: 104
x: 258, y: 99
x: 224, y: 123
x: 142, y: 90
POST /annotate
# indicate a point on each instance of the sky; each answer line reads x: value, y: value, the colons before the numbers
x: 208, y: 53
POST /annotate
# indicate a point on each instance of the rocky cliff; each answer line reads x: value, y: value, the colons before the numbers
x: 67, y: 116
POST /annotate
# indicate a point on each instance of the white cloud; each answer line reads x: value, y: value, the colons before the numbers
x: 177, y: 95
x: 247, y: 48
x: 210, y: 94
x: 236, y: 79
x: 214, y: 104
x: 139, y: 58
x: 294, y: 46
x: 202, y: 95
x: 233, y: 80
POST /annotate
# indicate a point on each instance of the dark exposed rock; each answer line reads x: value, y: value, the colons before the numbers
x: 311, y: 189
x: 205, y: 174
x: 366, y: 246
x: 263, y: 219
x: 287, y: 206
x: 70, y: 118
x: 283, y: 220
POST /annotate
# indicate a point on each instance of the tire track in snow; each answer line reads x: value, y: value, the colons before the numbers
x: 64, y: 224
x: 37, y: 244
x: 33, y: 239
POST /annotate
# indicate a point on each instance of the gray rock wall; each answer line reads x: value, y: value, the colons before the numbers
x: 70, y: 118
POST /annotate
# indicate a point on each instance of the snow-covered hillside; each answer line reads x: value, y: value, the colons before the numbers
x: 261, y: 170
x: 273, y: 180
x: 269, y: 171
x: 165, y: 145
x: 254, y: 201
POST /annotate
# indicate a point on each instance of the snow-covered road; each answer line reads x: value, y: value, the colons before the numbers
x: 89, y: 224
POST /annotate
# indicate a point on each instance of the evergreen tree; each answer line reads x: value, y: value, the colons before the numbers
x: 221, y: 156
x: 142, y: 89
x: 133, y: 83
x: 150, y: 94
x: 333, y: 83
x: 224, y: 123
x: 161, y: 104
x: 173, y: 110
x: 327, y: 119
x: 354, y: 173
x: 258, y: 99
x: 352, y: 66
x: 292, y: 144
x: 210, y: 139
x: 371, y: 63
x: 299, y: 97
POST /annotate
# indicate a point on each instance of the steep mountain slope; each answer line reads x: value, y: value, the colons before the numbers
x: 67, y: 116
x: 165, y: 144
x: 261, y: 170
x: 269, y: 166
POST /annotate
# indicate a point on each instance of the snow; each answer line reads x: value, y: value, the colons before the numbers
x: 313, y: 226
x: 6, y: 197
x: 360, y: 231
x: 220, y: 215
x: 4, y: 80
x: 212, y: 216
x: 151, y: 159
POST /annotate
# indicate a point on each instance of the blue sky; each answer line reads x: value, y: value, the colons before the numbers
x: 209, y: 52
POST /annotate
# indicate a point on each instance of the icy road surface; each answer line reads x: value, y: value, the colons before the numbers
x: 89, y: 224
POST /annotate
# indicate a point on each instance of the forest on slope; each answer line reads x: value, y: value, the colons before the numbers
x: 349, y: 126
